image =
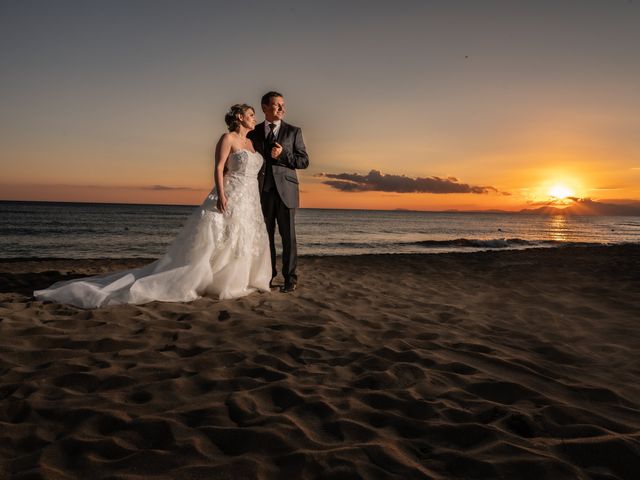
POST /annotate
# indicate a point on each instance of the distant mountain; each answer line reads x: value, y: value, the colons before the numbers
x: 589, y: 207
x: 454, y: 210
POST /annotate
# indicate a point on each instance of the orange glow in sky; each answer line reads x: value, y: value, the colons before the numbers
x: 478, y: 105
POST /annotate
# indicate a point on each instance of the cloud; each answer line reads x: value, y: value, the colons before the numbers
x: 380, y: 182
x: 562, y: 201
x: 622, y: 201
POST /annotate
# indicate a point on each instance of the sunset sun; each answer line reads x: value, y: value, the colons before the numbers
x: 560, y: 191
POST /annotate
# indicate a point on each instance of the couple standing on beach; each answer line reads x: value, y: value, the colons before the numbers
x: 227, y: 246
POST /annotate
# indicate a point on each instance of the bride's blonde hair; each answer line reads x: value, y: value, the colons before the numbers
x: 232, y: 117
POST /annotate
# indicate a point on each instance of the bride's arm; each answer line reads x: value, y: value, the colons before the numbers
x: 223, y: 149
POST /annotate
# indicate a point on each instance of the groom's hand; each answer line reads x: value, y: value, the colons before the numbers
x: 276, y: 150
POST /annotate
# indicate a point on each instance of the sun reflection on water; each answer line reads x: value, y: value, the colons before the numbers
x: 558, y: 228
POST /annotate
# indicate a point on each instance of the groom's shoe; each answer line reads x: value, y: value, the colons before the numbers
x: 290, y: 285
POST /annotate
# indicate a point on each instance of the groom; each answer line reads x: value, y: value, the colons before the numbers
x: 283, y: 150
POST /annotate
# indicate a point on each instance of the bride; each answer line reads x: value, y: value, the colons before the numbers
x: 222, y: 250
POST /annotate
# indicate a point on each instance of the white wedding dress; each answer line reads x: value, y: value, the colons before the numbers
x: 220, y: 254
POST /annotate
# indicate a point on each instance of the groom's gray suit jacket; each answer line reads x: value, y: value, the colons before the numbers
x: 294, y: 155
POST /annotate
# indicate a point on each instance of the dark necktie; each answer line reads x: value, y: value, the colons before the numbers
x: 268, y: 144
x: 271, y: 138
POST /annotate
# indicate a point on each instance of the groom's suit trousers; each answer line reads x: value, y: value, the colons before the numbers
x: 275, y: 211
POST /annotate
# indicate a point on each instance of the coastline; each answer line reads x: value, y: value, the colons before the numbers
x: 496, y: 364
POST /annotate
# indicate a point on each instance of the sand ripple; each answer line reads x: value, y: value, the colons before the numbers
x: 489, y: 365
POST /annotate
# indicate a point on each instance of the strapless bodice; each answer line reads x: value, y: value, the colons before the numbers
x: 243, y: 163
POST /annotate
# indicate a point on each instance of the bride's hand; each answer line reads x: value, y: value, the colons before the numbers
x: 222, y: 203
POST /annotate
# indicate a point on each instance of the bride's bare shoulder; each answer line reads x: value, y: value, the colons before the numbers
x: 225, y: 139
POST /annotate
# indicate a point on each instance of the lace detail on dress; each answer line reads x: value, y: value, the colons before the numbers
x: 241, y: 227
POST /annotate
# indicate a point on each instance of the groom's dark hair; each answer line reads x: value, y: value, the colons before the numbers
x: 268, y: 96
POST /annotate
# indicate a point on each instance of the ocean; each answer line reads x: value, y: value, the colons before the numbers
x: 85, y: 230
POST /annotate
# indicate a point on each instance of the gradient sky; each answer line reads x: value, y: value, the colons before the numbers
x: 123, y: 101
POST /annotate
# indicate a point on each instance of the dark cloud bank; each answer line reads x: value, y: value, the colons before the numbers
x: 380, y: 182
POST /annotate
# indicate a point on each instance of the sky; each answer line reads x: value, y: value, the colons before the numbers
x: 425, y: 105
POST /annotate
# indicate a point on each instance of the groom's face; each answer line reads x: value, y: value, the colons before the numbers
x: 274, y: 110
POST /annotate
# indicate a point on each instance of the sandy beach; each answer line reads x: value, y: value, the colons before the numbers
x: 505, y: 365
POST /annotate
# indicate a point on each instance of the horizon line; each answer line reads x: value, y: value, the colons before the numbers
x: 490, y: 210
x: 496, y: 210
